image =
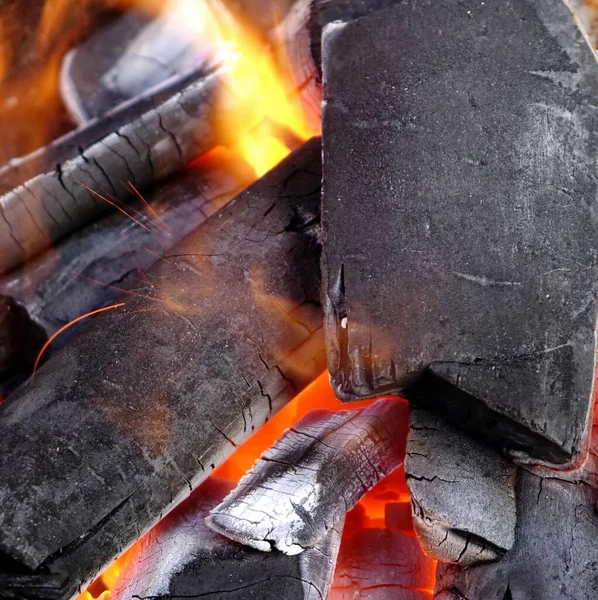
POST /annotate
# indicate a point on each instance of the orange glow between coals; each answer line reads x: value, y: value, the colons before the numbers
x: 369, y: 513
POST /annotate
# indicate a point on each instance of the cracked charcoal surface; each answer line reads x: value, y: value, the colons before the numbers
x: 473, y: 261
x: 183, y: 558
x: 47, y: 195
x: 555, y: 552
x: 122, y: 424
x: 21, y: 339
x: 317, y: 471
x: 462, y: 492
x: 91, y: 267
x: 123, y: 60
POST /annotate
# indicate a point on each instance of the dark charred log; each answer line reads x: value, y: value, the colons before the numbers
x: 135, y: 413
x: 183, y: 558
x: 555, y: 553
x: 21, y: 339
x: 317, y: 471
x: 57, y: 189
x: 91, y: 267
x: 462, y: 492
x: 480, y: 231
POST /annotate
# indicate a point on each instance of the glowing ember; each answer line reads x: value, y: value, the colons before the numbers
x: 367, y: 519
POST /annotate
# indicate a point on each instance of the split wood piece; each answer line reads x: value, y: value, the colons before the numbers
x: 57, y: 189
x: 183, y: 558
x: 382, y: 564
x: 91, y: 267
x: 126, y: 421
x: 555, y: 551
x: 462, y: 493
x: 317, y: 471
x: 21, y: 339
x: 468, y: 278
x: 125, y: 59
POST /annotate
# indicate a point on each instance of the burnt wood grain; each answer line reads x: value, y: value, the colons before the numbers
x: 183, y: 558
x: 460, y: 216
x: 92, y: 266
x: 318, y: 470
x: 120, y: 426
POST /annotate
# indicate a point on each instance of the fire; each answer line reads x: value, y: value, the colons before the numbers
x: 369, y: 514
x: 265, y: 95
x: 260, y: 76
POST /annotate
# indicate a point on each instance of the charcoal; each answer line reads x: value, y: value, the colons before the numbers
x: 459, y: 191
x: 381, y: 564
x: 554, y: 555
x: 122, y: 424
x: 57, y: 189
x: 182, y: 558
x: 462, y: 492
x: 124, y: 60
x: 317, y: 471
x: 91, y: 268
x: 21, y: 339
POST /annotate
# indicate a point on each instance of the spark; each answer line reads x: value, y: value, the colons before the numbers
x: 65, y: 327
x: 122, y: 210
x: 145, y: 203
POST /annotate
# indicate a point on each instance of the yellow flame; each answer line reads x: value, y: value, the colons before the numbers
x: 261, y: 81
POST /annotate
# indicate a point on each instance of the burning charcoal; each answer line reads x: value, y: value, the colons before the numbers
x: 91, y: 267
x: 126, y: 421
x: 555, y: 552
x: 125, y: 59
x: 59, y: 188
x: 307, y: 481
x: 459, y: 194
x: 21, y: 339
x: 381, y: 564
x: 462, y: 492
x: 183, y: 558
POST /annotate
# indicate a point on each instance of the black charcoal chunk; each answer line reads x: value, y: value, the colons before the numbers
x: 462, y: 493
x: 460, y: 149
x: 555, y: 552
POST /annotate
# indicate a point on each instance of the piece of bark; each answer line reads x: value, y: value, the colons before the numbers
x: 21, y: 339
x: 317, y: 471
x: 182, y: 558
x: 91, y: 267
x: 462, y: 493
x: 125, y: 59
x: 382, y: 564
x: 459, y: 261
x: 54, y: 191
x: 122, y: 424
x: 555, y: 552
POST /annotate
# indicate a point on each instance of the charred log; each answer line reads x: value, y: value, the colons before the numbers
x: 498, y: 313
x: 124, y: 60
x: 21, y: 339
x: 554, y: 555
x: 462, y: 492
x: 183, y: 558
x: 91, y: 268
x: 127, y: 420
x: 59, y: 188
x: 315, y: 473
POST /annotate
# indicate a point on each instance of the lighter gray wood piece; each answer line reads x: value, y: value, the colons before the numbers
x: 48, y: 194
x: 183, y: 558
x: 462, y: 493
x: 315, y: 473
